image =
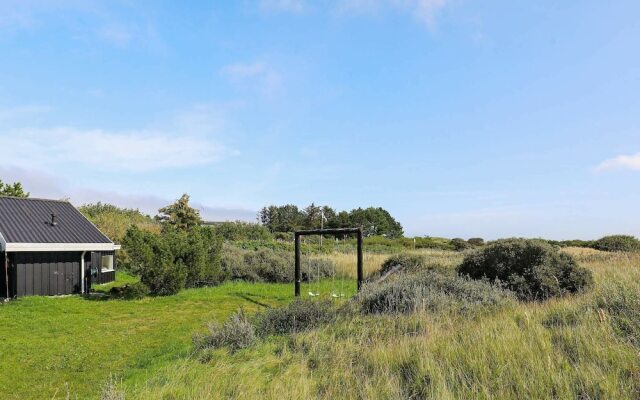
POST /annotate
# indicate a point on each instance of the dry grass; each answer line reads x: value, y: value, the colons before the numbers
x: 346, y: 261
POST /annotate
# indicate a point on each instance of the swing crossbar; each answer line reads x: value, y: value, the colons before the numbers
x: 337, y: 231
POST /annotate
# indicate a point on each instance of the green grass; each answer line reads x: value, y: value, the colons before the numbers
x: 584, y: 346
x: 54, y: 346
x: 122, y: 278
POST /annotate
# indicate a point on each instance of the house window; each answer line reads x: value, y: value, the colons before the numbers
x: 107, y: 263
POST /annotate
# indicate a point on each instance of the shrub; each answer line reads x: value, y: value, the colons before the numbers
x: 236, y: 333
x: 174, y: 259
x: 532, y: 269
x: 239, y: 230
x: 429, y: 291
x: 460, y: 244
x: 476, y: 242
x: 297, y: 316
x: 130, y: 291
x: 268, y: 265
x: 407, y: 262
x: 617, y: 243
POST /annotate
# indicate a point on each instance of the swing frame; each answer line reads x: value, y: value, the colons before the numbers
x: 335, y: 232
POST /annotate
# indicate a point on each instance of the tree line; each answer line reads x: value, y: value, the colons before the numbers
x: 374, y: 221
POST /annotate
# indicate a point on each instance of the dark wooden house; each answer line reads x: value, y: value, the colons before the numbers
x: 47, y: 247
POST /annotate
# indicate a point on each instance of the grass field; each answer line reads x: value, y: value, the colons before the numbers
x: 584, y: 346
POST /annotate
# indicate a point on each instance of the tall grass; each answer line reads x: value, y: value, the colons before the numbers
x: 345, y: 261
x: 577, y: 347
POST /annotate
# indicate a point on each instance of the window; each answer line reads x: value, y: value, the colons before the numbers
x: 107, y: 263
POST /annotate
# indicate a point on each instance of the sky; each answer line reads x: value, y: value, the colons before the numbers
x: 462, y: 118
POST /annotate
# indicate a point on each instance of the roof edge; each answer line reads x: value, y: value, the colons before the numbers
x: 38, y: 247
x: 34, y: 199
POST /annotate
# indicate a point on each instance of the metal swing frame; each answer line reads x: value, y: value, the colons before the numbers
x: 335, y: 232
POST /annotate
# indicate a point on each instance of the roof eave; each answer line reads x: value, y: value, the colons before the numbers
x: 40, y: 247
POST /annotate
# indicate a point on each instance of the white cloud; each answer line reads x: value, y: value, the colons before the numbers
x: 203, y: 118
x: 136, y: 151
x: 45, y: 185
x: 425, y: 11
x: 259, y: 74
x: 22, y: 111
x: 631, y: 162
x: 290, y: 6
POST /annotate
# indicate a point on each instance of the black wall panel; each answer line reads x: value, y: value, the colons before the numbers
x: 3, y: 276
x: 46, y: 273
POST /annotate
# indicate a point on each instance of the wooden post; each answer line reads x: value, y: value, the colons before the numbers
x: 297, y: 276
x: 338, y: 231
x: 360, y: 263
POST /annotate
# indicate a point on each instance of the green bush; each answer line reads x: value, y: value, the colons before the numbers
x: 267, y: 265
x: 408, y: 262
x: 429, y: 291
x: 460, y: 244
x: 236, y: 333
x: 130, y: 291
x: 238, y: 230
x: 533, y: 269
x: 174, y: 259
x: 617, y: 243
x: 297, y: 316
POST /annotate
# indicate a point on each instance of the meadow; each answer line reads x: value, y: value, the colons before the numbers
x: 583, y: 346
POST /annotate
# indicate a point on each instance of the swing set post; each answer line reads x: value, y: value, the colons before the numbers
x: 338, y: 231
x: 298, y: 275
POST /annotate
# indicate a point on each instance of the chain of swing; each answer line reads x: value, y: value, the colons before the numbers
x: 334, y: 293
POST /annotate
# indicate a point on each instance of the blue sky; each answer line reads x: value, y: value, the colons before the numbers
x: 462, y: 118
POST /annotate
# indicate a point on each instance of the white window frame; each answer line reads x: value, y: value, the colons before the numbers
x: 110, y: 257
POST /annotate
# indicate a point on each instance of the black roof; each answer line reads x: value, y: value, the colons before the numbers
x: 26, y: 220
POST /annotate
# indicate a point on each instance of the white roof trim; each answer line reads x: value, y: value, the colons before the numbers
x: 19, y: 247
x: 3, y: 243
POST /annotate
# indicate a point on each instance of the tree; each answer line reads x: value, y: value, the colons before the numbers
x: 180, y: 214
x: 114, y: 221
x: 15, y: 190
x: 287, y: 218
x: 375, y: 222
x: 175, y: 258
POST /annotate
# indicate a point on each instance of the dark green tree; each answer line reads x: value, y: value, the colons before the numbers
x: 375, y: 221
x: 285, y: 218
x: 180, y: 214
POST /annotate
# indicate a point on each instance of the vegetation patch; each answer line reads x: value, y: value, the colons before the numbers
x: 429, y: 291
x: 409, y: 263
x: 620, y: 302
x: 236, y: 333
x: 617, y: 243
x: 130, y: 291
x: 532, y: 269
x: 297, y: 316
x: 269, y: 265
